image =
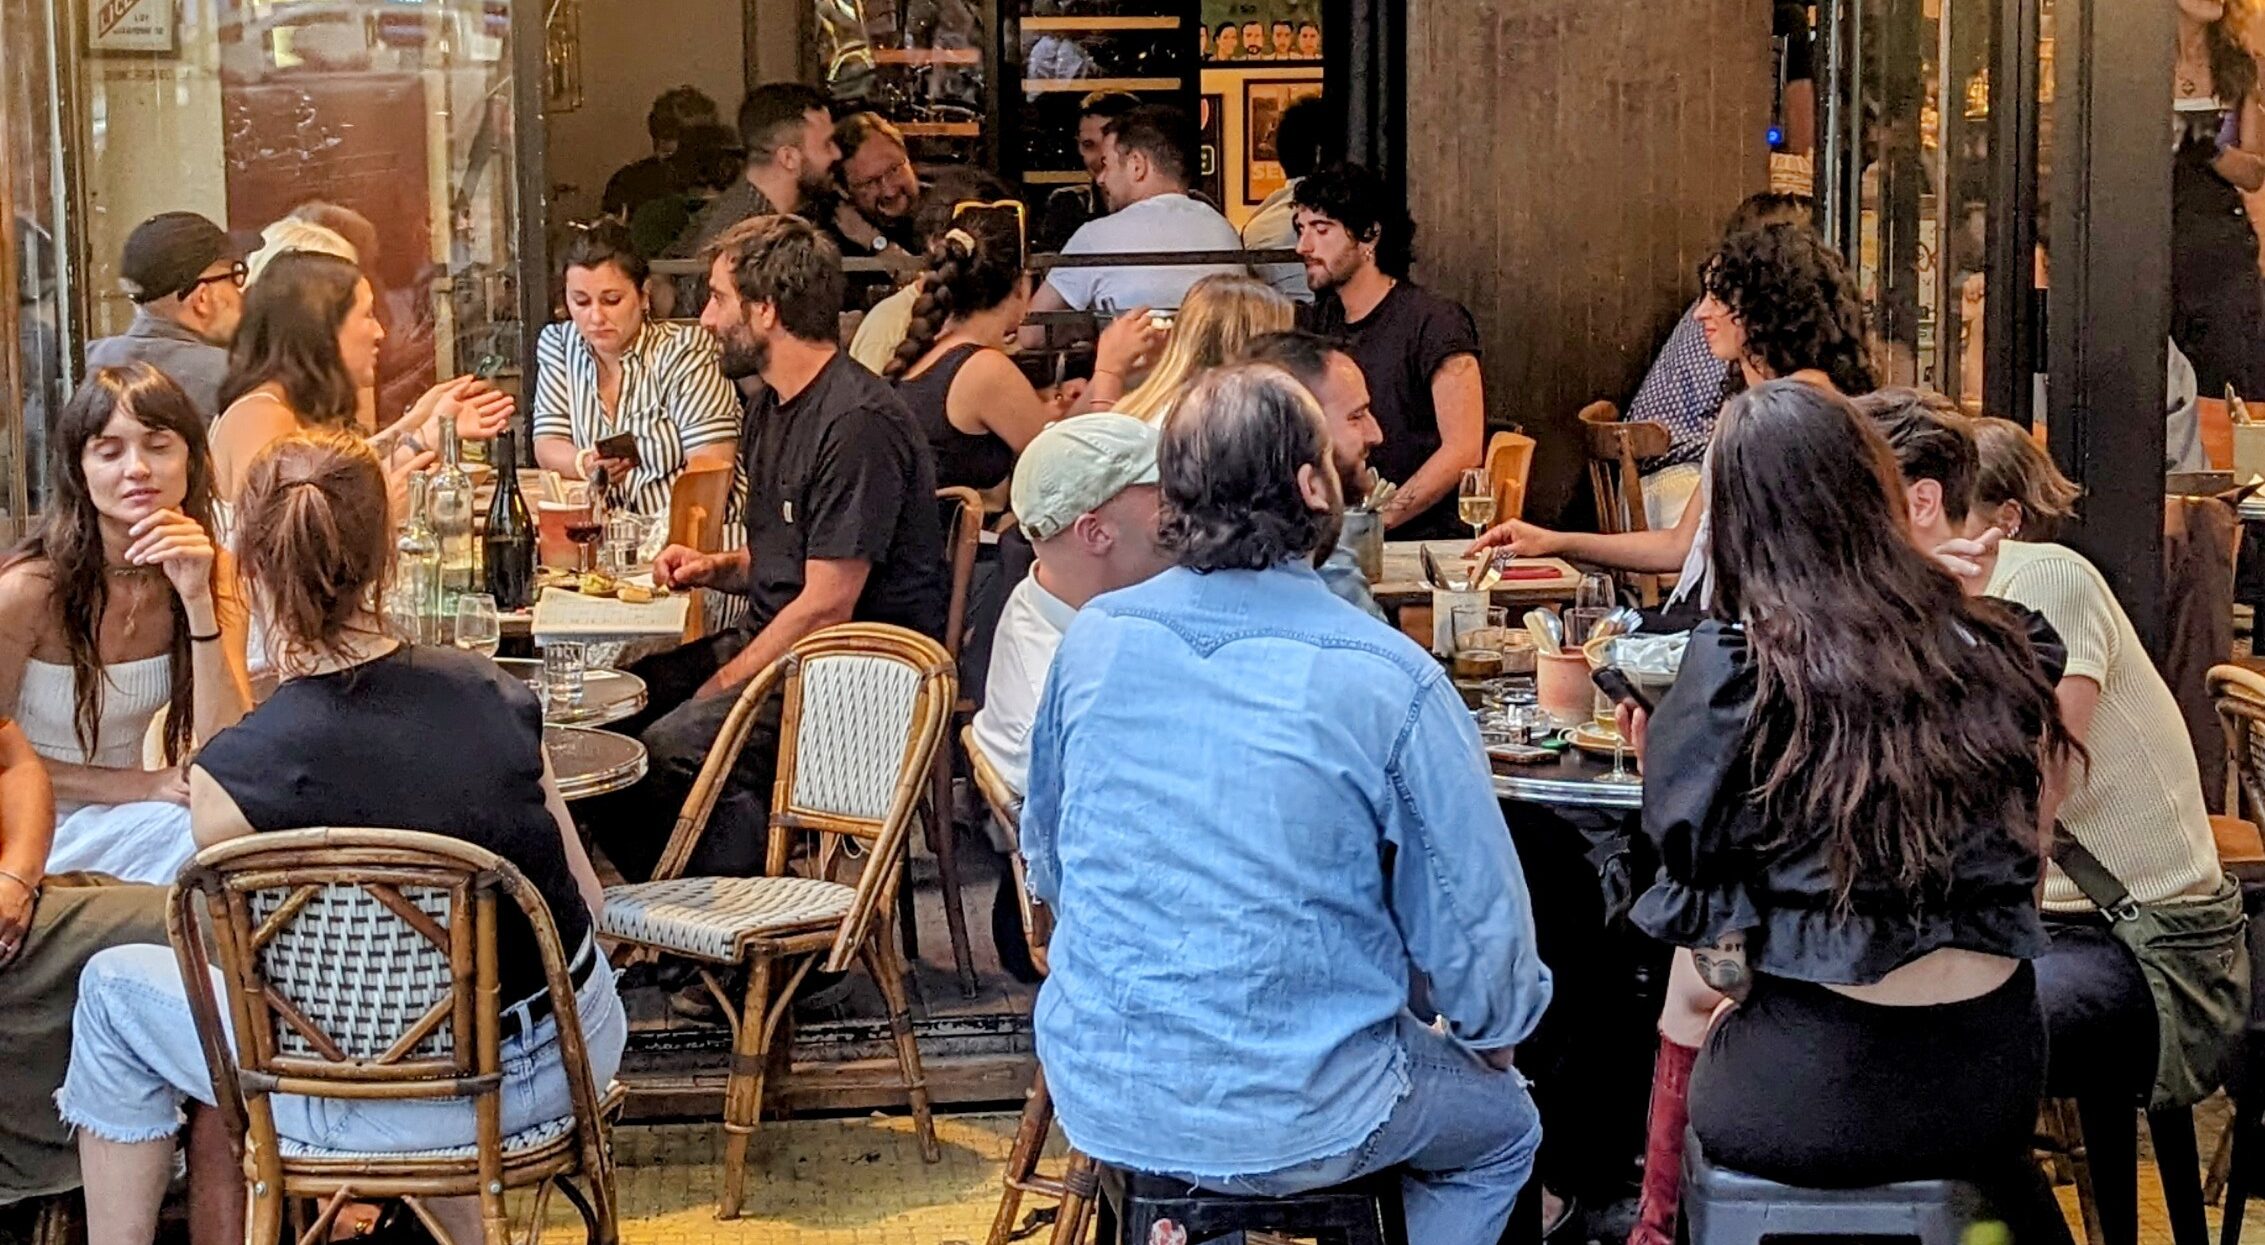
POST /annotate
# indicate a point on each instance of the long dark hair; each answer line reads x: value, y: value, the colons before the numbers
x: 1893, y: 712
x: 2233, y: 73
x: 289, y: 337
x: 974, y: 266
x: 1796, y: 301
x: 69, y: 540
x: 315, y: 540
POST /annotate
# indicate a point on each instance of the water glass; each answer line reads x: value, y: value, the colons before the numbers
x: 1580, y: 621
x: 624, y: 532
x: 1597, y: 591
x: 477, y: 627
x: 562, y: 676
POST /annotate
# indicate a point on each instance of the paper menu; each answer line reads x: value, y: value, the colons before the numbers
x: 571, y: 615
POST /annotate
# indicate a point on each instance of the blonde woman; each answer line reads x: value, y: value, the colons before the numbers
x: 1223, y: 313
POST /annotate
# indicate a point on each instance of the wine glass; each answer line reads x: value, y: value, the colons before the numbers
x: 477, y: 627
x: 1597, y: 591
x: 1475, y: 501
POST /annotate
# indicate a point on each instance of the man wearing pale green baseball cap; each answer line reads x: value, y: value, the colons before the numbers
x: 1085, y: 491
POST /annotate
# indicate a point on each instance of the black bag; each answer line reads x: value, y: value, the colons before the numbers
x: 2195, y: 956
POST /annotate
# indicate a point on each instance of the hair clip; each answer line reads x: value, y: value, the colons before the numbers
x: 962, y: 239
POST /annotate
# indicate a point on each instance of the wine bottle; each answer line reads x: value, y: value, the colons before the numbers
x: 452, y: 520
x: 412, y: 605
x: 510, y: 542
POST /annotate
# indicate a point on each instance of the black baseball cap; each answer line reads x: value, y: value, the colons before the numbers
x: 170, y: 250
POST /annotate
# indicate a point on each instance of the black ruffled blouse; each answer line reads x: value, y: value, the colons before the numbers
x: 1724, y: 868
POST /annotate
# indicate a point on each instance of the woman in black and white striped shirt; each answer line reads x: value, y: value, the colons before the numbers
x: 613, y: 370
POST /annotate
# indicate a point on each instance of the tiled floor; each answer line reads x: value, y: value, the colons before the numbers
x: 861, y: 1182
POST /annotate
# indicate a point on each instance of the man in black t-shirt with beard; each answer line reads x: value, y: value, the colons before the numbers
x: 1419, y: 352
x: 842, y: 525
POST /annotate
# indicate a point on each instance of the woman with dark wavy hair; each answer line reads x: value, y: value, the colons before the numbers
x: 1778, y: 303
x: 118, y: 608
x: 1848, y: 787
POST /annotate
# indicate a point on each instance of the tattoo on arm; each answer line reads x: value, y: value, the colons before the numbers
x: 1723, y: 965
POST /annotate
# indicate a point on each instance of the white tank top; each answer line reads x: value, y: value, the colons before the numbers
x: 133, y: 691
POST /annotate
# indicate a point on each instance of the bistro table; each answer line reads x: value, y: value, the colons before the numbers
x: 589, y: 762
x: 608, y: 696
x: 1570, y: 781
x: 1402, y: 582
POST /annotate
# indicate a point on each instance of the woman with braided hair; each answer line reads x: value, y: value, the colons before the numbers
x: 974, y: 404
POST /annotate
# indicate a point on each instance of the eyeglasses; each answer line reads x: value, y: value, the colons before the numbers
x: 863, y: 184
x: 237, y: 275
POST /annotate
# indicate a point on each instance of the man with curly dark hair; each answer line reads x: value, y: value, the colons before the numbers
x: 1777, y: 303
x: 1418, y: 350
x: 1261, y: 747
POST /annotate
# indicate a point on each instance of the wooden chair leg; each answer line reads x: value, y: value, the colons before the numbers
x: 880, y: 960
x: 908, y: 919
x: 743, y: 1091
x: 943, y: 839
x: 1080, y: 1187
x: 1022, y: 1159
x: 2246, y: 1125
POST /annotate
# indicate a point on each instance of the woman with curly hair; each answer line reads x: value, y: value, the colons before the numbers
x: 1779, y: 304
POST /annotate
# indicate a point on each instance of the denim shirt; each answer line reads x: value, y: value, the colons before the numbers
x: 1342, y: 573
x: 1256, y: 814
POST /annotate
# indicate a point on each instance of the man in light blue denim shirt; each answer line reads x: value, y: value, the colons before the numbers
x: 1257, y: 814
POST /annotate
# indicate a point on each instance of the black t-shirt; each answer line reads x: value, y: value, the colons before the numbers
x: 1401, y: 345
x: 842, y: 472
x: 423, y: 738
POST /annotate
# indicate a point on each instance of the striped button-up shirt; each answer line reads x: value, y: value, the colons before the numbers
x: 673, y: 399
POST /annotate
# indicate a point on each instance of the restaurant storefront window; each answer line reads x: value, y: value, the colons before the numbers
x: 398, y: 112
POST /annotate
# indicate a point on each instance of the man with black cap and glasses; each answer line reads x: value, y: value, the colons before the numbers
x: 186, y: 276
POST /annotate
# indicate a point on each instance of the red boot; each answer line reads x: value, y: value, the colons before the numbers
x: 1663, y: 1144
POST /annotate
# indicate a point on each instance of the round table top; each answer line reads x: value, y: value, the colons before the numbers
x: 1568, y: 782
x: 607, y: 695
x: 590, y: 762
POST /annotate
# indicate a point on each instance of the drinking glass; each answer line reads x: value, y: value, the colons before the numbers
x: 1474, y: 501
x: 624, y: 533
x: 477, y: 627
x: 1580, y: 621
x: 1597, y: 591
x: 562, y: 676
x: 1620, y: 776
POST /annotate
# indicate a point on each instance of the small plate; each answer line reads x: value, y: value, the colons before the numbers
x: 1590, y: 739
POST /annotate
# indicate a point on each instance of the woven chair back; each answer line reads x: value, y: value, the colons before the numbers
x: 358, y: 964
x: 2239, y: 694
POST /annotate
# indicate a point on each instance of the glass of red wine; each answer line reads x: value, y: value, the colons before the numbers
x: 585, y: 533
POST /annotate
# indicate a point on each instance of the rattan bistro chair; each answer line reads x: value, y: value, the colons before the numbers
x: 963, y: 541
x: 863, y: 714
x: 361, y: 965
x: 1079, y: 1182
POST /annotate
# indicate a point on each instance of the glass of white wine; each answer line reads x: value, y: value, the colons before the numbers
x: 477, y: 627
x: 1475, y: 501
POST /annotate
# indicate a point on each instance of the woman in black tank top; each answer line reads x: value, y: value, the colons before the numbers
x: 975, y: 406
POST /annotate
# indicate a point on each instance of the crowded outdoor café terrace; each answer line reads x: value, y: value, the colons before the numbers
x: 893, y: 627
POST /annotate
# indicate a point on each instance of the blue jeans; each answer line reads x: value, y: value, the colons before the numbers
x: 1464, y: 1134
x: 135, y: 1056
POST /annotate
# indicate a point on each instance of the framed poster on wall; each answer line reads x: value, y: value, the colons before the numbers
x: 1263, y: 102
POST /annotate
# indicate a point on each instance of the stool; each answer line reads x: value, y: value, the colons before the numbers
x: 1160, y: 1210
x: 1724, y: 1207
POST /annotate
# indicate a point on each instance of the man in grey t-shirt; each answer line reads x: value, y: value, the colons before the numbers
x: 186, y: 276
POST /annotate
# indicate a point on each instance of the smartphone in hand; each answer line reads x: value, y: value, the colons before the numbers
x: 621, y: 445
x: 1615, y: 683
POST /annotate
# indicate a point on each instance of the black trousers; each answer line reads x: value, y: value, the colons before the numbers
x: 2100, y: 1021
x: 1809, y: 1087
x: 678, y: 729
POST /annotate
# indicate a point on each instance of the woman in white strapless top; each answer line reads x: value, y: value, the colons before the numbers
x: 118, y: 608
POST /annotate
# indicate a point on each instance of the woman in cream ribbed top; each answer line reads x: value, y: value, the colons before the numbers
x: 120, y: 606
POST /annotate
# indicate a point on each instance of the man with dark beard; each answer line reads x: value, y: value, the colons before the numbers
x: 788, y: 131
x: 842, y: 525
x: 1335, y: 381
